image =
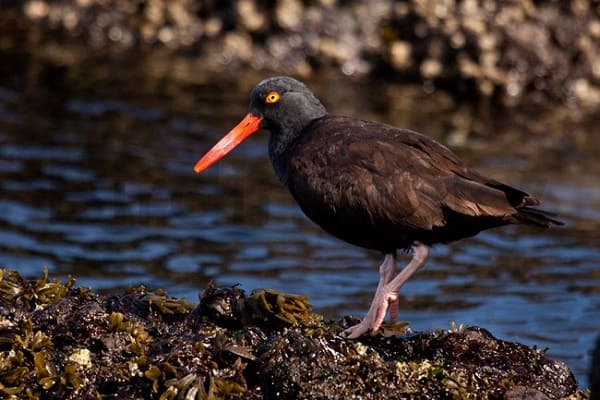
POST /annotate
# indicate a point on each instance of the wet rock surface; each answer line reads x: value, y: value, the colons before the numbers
x: 58, y: 341
x: 595, y: 372
x: 508, y: 50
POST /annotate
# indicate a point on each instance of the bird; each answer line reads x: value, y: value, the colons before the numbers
x: 374, y: 185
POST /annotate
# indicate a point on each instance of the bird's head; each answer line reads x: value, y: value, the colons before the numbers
x: 283, y: 105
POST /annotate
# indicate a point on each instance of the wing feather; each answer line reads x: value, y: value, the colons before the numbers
x: 368, y: 174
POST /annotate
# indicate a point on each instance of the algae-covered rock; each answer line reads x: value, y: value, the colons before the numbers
x: 441, y: 364
x: 58, y: 341
x: 595, y: 372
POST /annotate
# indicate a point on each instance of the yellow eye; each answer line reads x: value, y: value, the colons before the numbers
x: 272, y: 97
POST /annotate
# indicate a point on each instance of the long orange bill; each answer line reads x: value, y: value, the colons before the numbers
x: 249, y: 125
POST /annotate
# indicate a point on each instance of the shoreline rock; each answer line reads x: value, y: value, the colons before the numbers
x: 58, y: 341
x: 595, y: 372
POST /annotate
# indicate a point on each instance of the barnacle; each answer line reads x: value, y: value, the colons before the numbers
x: 81, y: 357
x: 457, y: 328
x: 186, y: 388
x: 241, y: 351
x: 223, y: 305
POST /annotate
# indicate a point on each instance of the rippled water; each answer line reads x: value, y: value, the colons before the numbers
x: 96, y: 177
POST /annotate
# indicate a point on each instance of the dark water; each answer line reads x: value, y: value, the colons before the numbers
x: 96, y: 179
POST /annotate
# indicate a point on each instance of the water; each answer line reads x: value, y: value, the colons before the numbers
x: 96, y: 179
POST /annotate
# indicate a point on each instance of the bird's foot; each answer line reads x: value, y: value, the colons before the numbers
x: 386, y: 294
x: 372, y: 322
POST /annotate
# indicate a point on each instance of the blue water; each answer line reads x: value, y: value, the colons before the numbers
x: 97, y: 182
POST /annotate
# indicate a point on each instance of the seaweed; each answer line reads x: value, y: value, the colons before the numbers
x: 62, y: 342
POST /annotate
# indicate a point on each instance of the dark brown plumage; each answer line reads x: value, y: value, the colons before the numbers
x: 374, y: 185
x: 380, y: 187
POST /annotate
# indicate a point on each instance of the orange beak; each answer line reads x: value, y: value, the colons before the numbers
x: 249, y: 125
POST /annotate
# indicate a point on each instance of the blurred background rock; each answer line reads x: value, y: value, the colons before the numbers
x: 509, y: 51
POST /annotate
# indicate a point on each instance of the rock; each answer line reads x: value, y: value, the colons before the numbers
x: 288, y: 13
x: 595, y: 372
x: 514, y: 52
x: 400, y: 55
x: 63, y: 342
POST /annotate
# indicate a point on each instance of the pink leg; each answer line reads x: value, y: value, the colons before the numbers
x: 387, y: 291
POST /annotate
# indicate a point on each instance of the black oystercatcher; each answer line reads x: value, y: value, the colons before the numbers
x: 374, y: 185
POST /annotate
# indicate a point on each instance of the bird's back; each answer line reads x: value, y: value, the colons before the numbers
x: 382, y: 188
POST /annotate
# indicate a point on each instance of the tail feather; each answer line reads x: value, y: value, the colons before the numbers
x: 536, y: 217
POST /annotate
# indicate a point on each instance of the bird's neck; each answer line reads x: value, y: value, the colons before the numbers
x: 283, y: 138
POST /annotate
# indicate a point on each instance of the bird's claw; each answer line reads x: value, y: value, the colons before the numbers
x: 374, y: 318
